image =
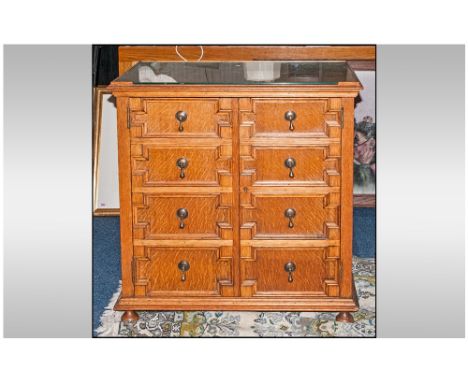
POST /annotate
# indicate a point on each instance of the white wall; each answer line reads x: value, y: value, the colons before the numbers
x: 367, y: 105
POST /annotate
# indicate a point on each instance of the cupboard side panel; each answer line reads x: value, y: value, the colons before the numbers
x: 347, y: 139
x: 125, y: 190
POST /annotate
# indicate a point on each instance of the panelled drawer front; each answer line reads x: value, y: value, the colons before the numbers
x: 154, y: 117
x: 277, y: 164
x: 208, y: 216
x: 312, y: 117
x: 289, y: 271
x: 183, y: 271
x: 313, y: 216
x: 185, y: 164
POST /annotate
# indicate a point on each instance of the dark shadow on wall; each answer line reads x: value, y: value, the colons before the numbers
x: 105, y: 64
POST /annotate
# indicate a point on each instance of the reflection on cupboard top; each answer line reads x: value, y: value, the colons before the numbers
x: 240, y: 73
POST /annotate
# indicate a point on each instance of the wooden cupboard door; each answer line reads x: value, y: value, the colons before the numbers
x: 183, y: 272
x: 181, y: 165
x: 313, y: 117
x: 288, y: 272
x: 160, y: 216
x: 270, y: 215
x: 161, y: 117
x: 277, y: 163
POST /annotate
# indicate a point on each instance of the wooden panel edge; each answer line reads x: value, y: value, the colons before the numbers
x: 368, y: 201
x: 106, y: 212
x: 130, y: 54
x: 318, y: 304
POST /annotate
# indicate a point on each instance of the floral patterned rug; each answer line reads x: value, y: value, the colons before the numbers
x: 252, y: 324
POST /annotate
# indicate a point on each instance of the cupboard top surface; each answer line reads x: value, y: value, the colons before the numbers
x: 240, y: 73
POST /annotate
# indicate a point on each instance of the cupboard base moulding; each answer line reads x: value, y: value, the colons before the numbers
x: 319, y: 304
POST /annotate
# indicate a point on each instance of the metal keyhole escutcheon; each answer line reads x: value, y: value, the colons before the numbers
x: 290, y: 267
x: 182, y: 214
x: 290, y: 116
x: 290, y: 163
x: 183, y: 266
x: 181, y: 116
x: 290, y: 213
x: 182, y: 164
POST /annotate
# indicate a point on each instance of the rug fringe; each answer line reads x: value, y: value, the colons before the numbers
x: 110, y: 319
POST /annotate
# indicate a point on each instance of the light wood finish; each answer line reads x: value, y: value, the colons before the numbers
x: 190, y: 243
x: 346, y: 205
x: 298, y: 243
x: 156, y: 117
x: 155, y: 216
x: 309, y: 303
x: 263, y: 272
x: 236, y: 237
x: 343, y: 89
x: 314, y: 118
x: 97, y: 112
x: 106, y: 212
x: 125, y: 195
x: 365, y: 65
x: 155, y: 165
x: 129, y: 55
x: 210, y: 274
x: 316, y: 217
x: 291, y: 304
x: 364, y: 201
x: 314, y: 165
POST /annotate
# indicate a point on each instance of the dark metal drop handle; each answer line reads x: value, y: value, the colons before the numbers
x: 290, y: 163
x: 182, y: 214
x: 290, y: 116
x: 183, y: 266
x: 290, y: 213
x: 290, y: 267
x: 181, y: 116
x: 182, y: 164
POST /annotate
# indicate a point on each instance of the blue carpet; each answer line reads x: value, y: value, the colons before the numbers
x: 364, y: 232
x: 106, y: 253
x: 106, y: 263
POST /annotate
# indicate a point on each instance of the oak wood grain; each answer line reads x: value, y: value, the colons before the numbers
x: 236, y: 189
x: 263, y: 272
x: 243, y: 91
x: 314, y: 165
x: 155, y: 165
x: 289, y: 304
x: 156, y: 117
x: 316, y: 217
x: 156, y: 216
x: 346, y: 282
x: 209, y: 273
x: 129, y: 55
x: 125, y: 189
x: 364, y: 201
x: 313, y: 117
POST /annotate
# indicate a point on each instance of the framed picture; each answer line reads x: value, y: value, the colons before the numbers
x: 365, y: 141
x: 105, y: 158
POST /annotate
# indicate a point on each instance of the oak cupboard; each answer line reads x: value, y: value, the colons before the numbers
x: 236, y: 186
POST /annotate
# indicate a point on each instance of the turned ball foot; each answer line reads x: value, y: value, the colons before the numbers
x: 130, y: 315
x: 344, y: 317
